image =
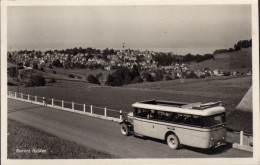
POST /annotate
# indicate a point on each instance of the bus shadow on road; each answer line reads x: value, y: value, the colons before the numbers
x: 213, y: 151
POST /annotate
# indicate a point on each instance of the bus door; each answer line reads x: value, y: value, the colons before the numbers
x: 139, y: 115
x: 138, y: 126
x: 150, y: 129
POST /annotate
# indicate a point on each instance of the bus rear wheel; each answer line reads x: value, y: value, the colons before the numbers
x: 173, y: 141
x: 124, y: 130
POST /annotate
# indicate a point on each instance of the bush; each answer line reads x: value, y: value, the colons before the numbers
x: 202, y: 76
x: 192, y: 75
x: 52, y: 80
x: 226, y: 73
x: 50, y: 66
x: 168, y: 78
x: 71, y: 76
x: 92, y: 79
x: 137, y: 79
x: 37, y: 80
x: 56, y: 63
x: 99, y: 75
x: 10, y: 84
x: 148, y: 77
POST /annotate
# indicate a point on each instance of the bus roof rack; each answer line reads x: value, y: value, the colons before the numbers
x: 207, y: 105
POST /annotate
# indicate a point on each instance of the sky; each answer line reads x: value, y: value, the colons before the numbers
x: 183, y: 29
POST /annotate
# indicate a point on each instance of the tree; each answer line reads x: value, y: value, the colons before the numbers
x: 12, y: 72
x: 71, y: 76
x: 135, y: 72
x: 35, y: 66
x: 93, y: 79
x: 120, y: 77
x: 27, y: 63
x: 158, y: 76
x: 36, y: 80
x: 56, y: 63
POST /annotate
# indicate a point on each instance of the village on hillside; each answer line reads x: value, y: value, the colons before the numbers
x: 160, y: 66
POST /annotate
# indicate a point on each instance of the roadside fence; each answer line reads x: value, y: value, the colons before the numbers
x: 85, y: 109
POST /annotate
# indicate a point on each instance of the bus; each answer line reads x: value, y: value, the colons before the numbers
x: 178, y: 123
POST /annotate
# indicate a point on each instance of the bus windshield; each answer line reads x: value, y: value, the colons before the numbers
x: 209, y: 121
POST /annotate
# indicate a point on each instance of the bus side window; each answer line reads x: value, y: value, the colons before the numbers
x: 198, y: 121
x: 161, y: 115
x: 169, y: 116
x: 189, y: 120
x: 139, y: 112
x: 180, y: 118
x: 153, y: 115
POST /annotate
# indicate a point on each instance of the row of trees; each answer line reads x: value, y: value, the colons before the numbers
x: 168, y: 59
x: 81, y: 50
x: 240, y: 44
x: 243, y: 44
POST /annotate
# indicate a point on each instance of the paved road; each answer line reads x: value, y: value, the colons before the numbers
x: 103, y: 135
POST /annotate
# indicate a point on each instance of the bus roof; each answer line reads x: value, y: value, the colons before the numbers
x: 206, y: 109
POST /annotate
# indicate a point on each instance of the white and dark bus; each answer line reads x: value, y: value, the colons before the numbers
x: 192, y: 124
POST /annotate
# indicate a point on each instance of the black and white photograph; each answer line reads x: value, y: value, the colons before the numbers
x: 155, y: 82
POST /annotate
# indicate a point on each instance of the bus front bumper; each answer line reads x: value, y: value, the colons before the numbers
x: 216, y: 144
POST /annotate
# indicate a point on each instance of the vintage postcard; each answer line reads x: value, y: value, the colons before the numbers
x: 132, y: 82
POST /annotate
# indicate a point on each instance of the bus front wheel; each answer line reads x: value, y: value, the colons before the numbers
x: 173, y: 141
x: 124, y: 130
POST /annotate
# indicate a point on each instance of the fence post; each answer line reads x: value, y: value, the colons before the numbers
x: 35, y: 98
x: 21, y: 96
x: 52, y: 102
x: 15, y: 95
x: 62, y: 103
x: 28, y: 97
x: 121, y: 117
x: 241, y: 137
x: 72, y: 105
x: 91, y: 109
x: 105, y: 112
x: 84, y: 107
x: 43, y: 100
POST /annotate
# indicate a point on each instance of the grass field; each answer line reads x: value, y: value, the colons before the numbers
x: 45, y: 146
x: 239, y: 61
x: 228, y: 90
x: 81, y: 74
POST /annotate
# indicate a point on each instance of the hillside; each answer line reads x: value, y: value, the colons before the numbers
x: 229, y: 61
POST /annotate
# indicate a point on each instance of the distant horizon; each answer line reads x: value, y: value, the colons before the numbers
x: 176, y: 51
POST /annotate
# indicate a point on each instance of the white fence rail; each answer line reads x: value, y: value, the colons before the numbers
x: 89, y: 110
